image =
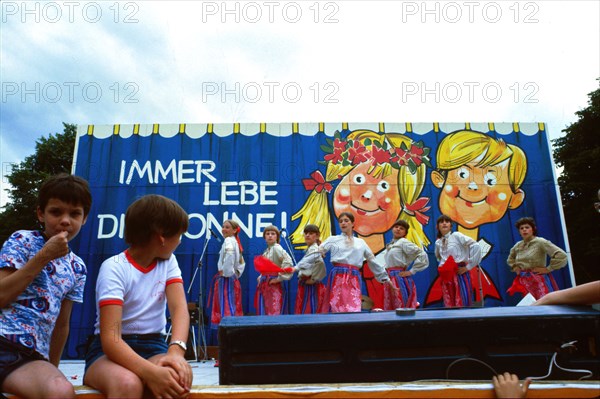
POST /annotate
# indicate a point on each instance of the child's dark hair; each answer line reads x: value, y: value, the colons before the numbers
x: 442, y: 218
x: 154, y: 214
x: 529, y: 221
x: 348, y: 215
x: 402, y: 223
x: 68, y: 188
x: 272, y: 228
x: 313, y: 228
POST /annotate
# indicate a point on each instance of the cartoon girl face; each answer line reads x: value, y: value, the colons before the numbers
x: 473, y: 195
x: 374, y: 201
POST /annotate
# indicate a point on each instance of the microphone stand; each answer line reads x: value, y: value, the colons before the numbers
x: 289, y: 246
x: 291, y: 251
x: 202, y: 345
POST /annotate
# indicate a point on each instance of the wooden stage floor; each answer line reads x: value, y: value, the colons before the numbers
x: 206, y: 385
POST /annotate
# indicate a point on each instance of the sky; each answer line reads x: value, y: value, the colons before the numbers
x: 291, y: 61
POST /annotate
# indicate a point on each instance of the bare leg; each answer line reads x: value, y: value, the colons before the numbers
x: 38, y: 379
x: 113, y: 380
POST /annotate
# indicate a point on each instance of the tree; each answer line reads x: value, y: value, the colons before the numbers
x: 52, y: 155
x: 578, y: 152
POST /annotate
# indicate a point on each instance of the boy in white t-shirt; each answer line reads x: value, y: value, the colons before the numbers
x: 129, y: 352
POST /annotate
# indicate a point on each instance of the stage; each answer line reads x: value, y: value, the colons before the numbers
x: 206, y: 385
x: 425, y: 354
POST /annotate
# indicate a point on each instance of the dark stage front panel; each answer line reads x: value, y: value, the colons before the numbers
x: 431, y: 344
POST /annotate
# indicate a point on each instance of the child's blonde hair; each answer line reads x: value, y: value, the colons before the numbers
x: 463, y: 146
x: 411, y: 180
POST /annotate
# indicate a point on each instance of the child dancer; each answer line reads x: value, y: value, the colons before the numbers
x: 271, y: 294
x: 311, y: 297
x: 400, y: 254
x: 347, y: 255
x: 528, y: 259
x: 40, y: 278
x: 457, y: 290
x: 129, y: 351
x: 227, y: 291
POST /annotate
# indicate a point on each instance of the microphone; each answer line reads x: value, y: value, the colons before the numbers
x: 215, y: 236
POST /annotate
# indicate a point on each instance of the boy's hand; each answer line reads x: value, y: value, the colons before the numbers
x: 163, y: 382
x: 56, y: 247
x: 181, y: 367
x: 507, y: 386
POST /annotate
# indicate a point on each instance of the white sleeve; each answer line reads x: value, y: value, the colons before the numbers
x: 474, y: 250
x: 286, y: 261
x: 310, y: 259
x: 111, y: 282
x: 173, y: 272
x: 228, y: 258
x: 378, y: 270
x: 416, y: 254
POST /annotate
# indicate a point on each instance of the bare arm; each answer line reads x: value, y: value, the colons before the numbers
x: 584, y: 294
x: 60, y: 332
x: 14, y: 282
x: 180, y: 321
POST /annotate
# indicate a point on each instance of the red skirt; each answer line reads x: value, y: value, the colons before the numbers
x: 226, y: 296
x: 344, y: 288
x: 270, y: 299
x: 406, y: 297
x: 311, y: 298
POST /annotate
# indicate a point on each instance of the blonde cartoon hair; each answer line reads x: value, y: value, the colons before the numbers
x: 402, y: 153
x: 463, y: 146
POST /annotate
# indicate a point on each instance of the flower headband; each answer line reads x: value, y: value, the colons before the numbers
x: 352, y: 152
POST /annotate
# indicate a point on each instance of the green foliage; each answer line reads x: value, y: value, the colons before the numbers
x: 53, y: 155
x: 578, y: 153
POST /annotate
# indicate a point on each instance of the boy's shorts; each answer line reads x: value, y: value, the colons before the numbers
x: 13, y: 356
x: 145, y: 345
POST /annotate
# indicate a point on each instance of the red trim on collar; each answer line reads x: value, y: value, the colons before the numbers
x: 137, y: 266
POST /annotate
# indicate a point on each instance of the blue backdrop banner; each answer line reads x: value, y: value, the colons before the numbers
x: 485, y: 176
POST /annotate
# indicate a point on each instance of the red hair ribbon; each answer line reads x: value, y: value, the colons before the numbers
x: 417, y: 208
x: 316, y: 182
x: 237, y: 238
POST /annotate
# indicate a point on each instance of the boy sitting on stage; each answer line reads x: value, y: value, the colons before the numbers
x: 39, y: 280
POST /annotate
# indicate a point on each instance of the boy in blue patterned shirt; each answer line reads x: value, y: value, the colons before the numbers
x: 40, y: 278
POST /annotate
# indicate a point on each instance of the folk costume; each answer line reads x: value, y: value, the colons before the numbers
x: 347, y: 256
x: 527, y: 255
x: 311, y: 298
x: 398, y: 257
x: 455, y: 250
x: 271, y: 299
x: 226, y: 291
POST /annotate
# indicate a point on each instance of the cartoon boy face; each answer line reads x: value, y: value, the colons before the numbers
x: 473, y: 195
x: 374, y: 201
